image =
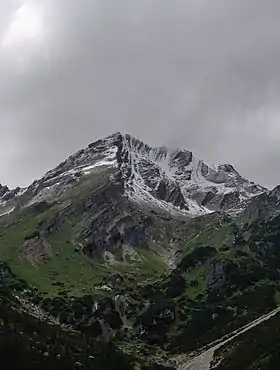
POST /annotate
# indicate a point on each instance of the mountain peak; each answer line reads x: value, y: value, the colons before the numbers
x: 275, y: 192
x: 4, y: 189
x: 171, y: 179
x: 227, y: 168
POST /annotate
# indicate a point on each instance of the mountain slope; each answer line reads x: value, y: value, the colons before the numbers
x: 31, y: 338
x: 221, y: 281
x: 89, y: 231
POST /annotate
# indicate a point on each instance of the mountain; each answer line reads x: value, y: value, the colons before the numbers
x: 172, y: 180
x: 146, y: 254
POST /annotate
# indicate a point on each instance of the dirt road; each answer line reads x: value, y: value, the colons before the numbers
x: 203, y: 361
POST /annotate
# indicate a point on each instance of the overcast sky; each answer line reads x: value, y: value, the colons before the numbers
x: 200, y: 74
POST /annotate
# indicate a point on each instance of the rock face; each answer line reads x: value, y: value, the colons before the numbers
x: 215, y: 275
x: 173, y: 180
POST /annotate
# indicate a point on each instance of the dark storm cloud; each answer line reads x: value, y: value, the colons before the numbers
x: 194, y: 73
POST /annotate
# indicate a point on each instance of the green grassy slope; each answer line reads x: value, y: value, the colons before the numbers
x: 64, y: 266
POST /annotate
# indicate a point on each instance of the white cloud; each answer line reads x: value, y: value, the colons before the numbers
x: 26, y: 25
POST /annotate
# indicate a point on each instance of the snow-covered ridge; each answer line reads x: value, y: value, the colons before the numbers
x: 174, y: 180
x: 179, y: 178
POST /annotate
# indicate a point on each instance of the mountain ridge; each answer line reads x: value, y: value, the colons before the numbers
x: 173, y: 180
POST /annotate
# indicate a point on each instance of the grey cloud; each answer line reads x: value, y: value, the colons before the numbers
x: 194, y: 73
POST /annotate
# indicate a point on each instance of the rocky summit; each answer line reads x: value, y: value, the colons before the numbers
x: 126, y: 256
